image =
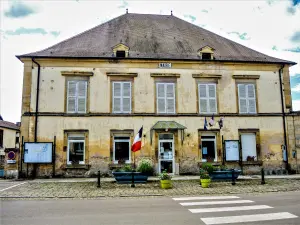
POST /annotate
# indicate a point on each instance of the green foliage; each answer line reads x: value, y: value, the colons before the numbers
x: 145, y: 166
x: 204, y: 174
x: 223, y: 167
x: 165, y: 176
x: 127, y: 168
x: 208, y: 167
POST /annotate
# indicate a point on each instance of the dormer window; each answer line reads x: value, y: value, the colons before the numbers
x: 120, y: 51
x: 206, y: 56
x: 121, y: 54
x: 206, y: 53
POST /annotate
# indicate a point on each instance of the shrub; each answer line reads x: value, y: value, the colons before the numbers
x: 207, y: 167
x: 127, y: 168
x: 165, y: 176
x: 204, y: 174
x: 145, y: 166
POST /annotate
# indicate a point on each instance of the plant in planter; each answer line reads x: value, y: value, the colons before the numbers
x: 204, y: 178
x: 251, y: 158
x: 165, y: 180
x: 145, y: 166
x: 207, y: 167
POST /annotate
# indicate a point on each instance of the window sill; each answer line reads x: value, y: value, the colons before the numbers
x: 259, y: 163
x: 86, y: 167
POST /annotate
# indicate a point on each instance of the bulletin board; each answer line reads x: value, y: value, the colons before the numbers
x: 232, y: 150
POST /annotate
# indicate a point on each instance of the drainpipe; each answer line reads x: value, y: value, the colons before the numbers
x: 283, y: 118
x: 37, y: 100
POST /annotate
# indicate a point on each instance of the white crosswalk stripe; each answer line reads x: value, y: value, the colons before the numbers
x: 230, y: 200
x: 227, y: 209
x: 215, y: 202
x: 205, y: 198
x: 248, y: 218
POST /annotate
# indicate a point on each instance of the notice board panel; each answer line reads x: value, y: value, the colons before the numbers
x: 38, y: 152
x: 232, y: 150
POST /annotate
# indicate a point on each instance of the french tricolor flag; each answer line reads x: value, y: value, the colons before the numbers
x: 137, y: 143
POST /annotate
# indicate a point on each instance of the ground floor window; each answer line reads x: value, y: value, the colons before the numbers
x: 76, y: 148
x: 248, y: 141
x: 208, y: 147
x: 122, y: 150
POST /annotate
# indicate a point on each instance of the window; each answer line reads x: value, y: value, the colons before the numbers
x: 249, y: 152
x: 247, y: 99
x: 121, y: 149
x: 207, y: 98
x: 121, y: 54
x: 165, y: 101
x: 206, y: 56
x: 1, y: 138
x: 76, y: 148
x: 208, y: 146
x: 77, y: 95
x: 121, y: 97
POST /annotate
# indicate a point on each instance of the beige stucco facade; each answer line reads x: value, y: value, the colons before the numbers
x: 99, y: 121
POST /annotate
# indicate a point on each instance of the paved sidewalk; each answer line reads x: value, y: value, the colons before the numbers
x: 175, y: 178
x: 88, y: 188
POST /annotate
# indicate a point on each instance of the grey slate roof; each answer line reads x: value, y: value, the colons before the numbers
x: 151, y: 37
x: 9, y: 125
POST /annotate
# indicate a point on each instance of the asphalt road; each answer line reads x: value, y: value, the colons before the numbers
x: 156, y: 211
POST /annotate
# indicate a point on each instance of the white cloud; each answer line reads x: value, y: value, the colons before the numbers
x: 296, y: 88
x: 266, y: 25
x: 296, y: 105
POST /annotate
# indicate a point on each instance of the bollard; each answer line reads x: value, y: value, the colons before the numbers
x: 132, y: 179
x: 262, y: 176
x: 99, y: 185
x: 232, y: 177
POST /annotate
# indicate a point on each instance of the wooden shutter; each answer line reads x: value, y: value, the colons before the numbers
x: 81, y: 96
x: 71, y: 99
x: 251, y: 98
x: 242, y: 98
x: 170, y: 97
x: 161, y: 99
x: 212, y: 102
x: 117, y: 95
x: 203, y: 98
x: 126, y: 97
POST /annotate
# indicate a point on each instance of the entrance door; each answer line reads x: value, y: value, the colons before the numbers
x: 209, y: 153
x: 166, y: 153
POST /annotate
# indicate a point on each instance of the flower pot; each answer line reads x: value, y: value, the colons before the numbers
x: 166, y: 184
x: 205, y: 183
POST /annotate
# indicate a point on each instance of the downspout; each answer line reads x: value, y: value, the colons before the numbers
x: 283, y: 118
x: 37, y: 100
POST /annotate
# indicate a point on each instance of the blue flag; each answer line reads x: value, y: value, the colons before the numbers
x: 205, y: 124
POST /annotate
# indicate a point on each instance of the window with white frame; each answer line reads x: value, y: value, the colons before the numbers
x: 165, y: 97
x: 247, y: 99
x: 76, y: 148
x: 121, y: 149
x: 77, y: 96
x: 207, y: 97
x: 121, y: 97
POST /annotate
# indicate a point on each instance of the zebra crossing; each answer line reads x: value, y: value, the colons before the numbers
x: 207, y: 204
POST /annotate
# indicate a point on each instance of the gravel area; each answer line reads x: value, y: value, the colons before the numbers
x: 111, y: 189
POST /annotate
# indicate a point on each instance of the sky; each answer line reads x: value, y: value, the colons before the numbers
x: 268, y: 26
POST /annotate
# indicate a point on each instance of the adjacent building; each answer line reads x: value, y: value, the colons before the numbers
x: 199, y: 97
x: 9, y: 141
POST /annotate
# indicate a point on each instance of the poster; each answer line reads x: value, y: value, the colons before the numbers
x: 232, y: 150
x: 204, y: 150
x: 37, y: 152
